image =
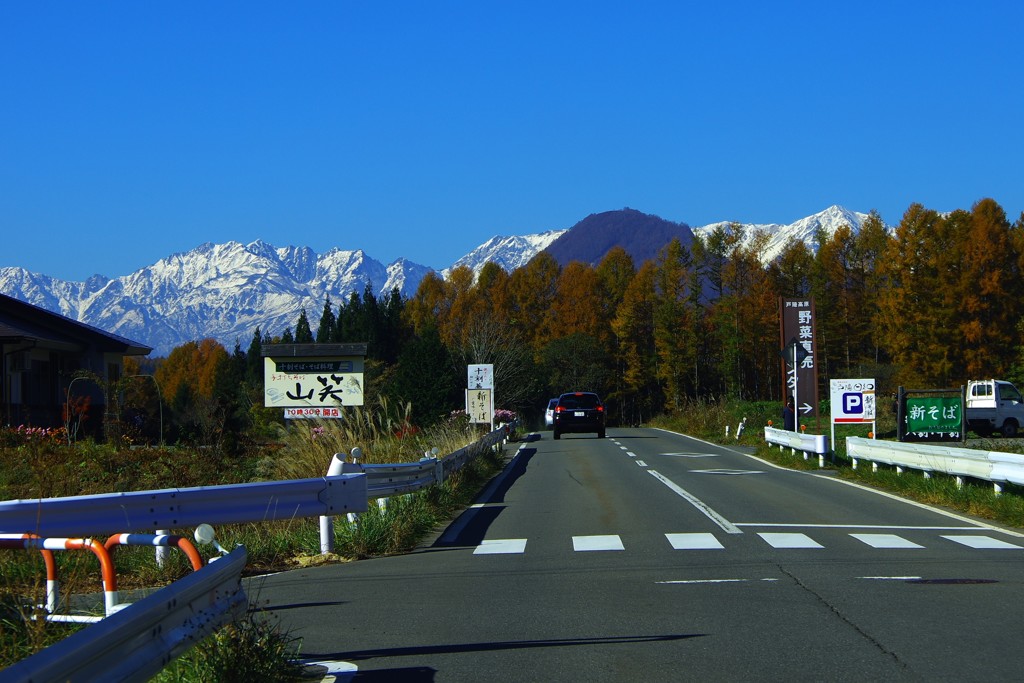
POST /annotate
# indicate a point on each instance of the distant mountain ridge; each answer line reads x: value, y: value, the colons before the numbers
x: 225, y: 291
x: 641, y: 235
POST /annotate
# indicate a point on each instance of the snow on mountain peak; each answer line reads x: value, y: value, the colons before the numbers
x: 225, y: 291
x: 803, y: 230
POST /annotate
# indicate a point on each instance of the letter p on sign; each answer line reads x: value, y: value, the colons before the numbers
x: 853, y: 403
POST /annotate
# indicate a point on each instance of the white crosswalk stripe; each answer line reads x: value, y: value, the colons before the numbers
x: 983, y: 542
x: 790, y: 540
x: 504, y: 546
x: 590, y: 543
x: 886, y: 541
x: 694, y: 541
x: 777, y: 540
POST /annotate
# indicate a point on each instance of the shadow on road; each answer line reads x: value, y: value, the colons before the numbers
x: 471, y: 526
x: 464, y: 648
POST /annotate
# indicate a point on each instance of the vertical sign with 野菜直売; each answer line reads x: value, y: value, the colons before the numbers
x: 799, y: 354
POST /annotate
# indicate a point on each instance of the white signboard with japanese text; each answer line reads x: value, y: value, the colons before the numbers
x: 852, y: 400
x: 480, y: 405
x: 481, y: 377
x: 322, y: 383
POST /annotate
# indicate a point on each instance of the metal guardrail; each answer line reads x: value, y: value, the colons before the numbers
x: 145, y: 511
x: 805, y: 443
x: 386, y: 480
x: 397, y: 479
x: 138, y: 641
x: 998, y: 468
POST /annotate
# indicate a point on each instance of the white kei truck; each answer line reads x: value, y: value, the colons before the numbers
x: 994, y: 405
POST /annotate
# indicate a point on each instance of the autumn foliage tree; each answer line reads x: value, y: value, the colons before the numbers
x: 931, y: 303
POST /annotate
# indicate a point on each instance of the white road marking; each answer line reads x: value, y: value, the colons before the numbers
x: 631, y: 454
x: 694, y: 541
x: 890, y: 578
x: 718, y: 519
x: 856, y: 526
x: 892, y: 496
x: 701, y: 581
x: 501, y: 546
x: 731, y: 472
x: 641, y: 463
x: 690, y: 455
x: 983, y: 542
x: 885, y: 541
x: 777, y: 540
x: 592, y: 543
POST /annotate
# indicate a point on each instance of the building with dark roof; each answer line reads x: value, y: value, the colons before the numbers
x: 45, y: 354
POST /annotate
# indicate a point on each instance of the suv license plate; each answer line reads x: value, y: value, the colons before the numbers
x: 579, y: 413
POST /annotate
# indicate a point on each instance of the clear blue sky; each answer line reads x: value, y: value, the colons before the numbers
x: 133, y: 130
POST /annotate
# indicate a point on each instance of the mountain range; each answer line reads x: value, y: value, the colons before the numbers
x: 225, y: 291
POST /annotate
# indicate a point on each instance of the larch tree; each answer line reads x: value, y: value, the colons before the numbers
x: 576, y: 307
x: 990, y: 291
x: 674, y: 322
x: 634, y: 329
x: 916, y: 320
x: 532, y: 289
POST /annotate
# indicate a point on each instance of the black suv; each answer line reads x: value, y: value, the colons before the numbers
x: 580, y: 411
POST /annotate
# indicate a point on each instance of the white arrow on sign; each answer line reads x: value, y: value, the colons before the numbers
x: 806, y: 408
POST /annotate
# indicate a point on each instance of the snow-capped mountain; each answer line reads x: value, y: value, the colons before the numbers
x: 802, y: 230
x: 508, y: 252
x: 226, y: 291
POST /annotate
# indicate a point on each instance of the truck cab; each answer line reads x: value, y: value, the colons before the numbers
x: 994, y: 405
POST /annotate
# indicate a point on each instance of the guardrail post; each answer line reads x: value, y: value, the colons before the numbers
x: 162, y: 551
x: 336, y: 468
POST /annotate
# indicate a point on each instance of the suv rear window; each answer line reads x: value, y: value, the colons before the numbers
x: 579, y: 401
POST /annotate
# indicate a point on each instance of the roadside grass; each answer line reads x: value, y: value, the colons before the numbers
x: 256, y: 648
x: 45, y: 465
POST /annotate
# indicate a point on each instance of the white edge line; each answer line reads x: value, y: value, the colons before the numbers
x: 952, y: 515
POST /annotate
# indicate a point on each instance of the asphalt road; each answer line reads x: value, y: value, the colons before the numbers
x: 653, y: 556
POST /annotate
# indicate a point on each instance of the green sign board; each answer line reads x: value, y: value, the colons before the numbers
x: 934, y: 417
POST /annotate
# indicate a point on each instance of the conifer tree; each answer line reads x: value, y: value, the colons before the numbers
x: 916, y: 319
x: 254, y: 359
x: 990, y: 292
x: 328, y: 323
x: 634, y: 327
x: 303, y: 333
x: 674, y: 323
x: 532, y: 289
